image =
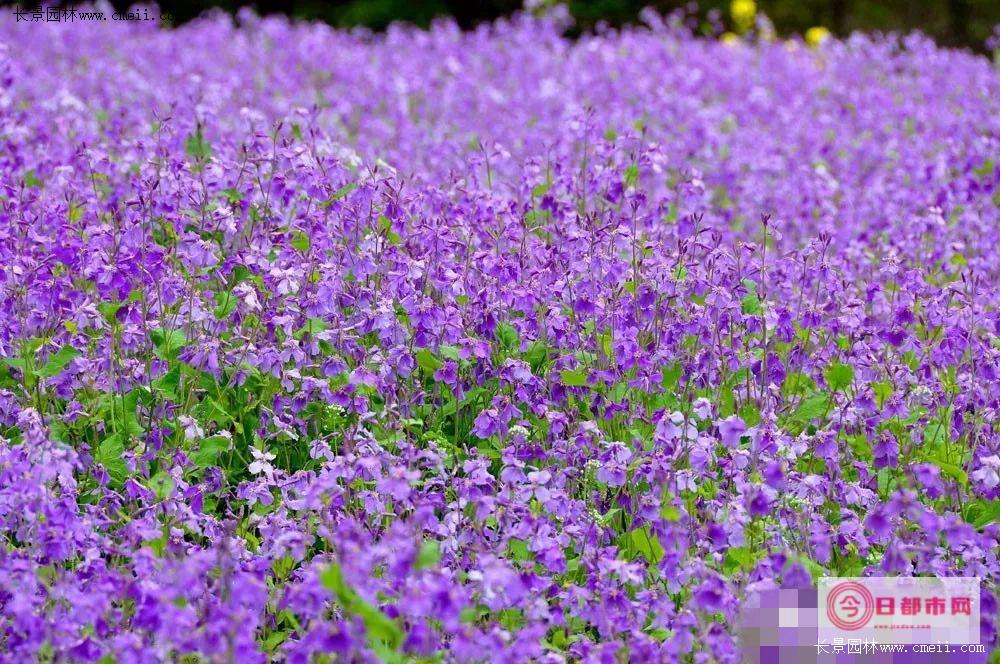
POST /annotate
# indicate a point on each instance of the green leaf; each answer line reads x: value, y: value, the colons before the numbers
x: 507, y: 336
x: 332, y: 579
x: 169, y: 383
x: 883, y: 390
x: 109, y: 455
x: 450, y: 352
x: 609, y: 517
x: 388, y: 655
x: 813, y: 407
x: 58, y: 361
x: 816, y: 570
x: 430, y: 554
x: 225, y: 304
x: 312, y: 327
x: 935, y: 434
x: 272, y: 642
x: 471, y: 614
x: 209, y: 451
x: 16, y: 363
x: 216, y: 411
x: 109, y: 310
x: 986, y: 169
x: 839, y: 376
x: 741, y: 559
x: 518, y: 549
x: 161, y: 484
x: 646, y: 544
x: 631, y: 175
x: 981, y: 513
x: 75, y: 213
x: 197, y: 148
x: 380, y: 628
x: 301, y: 241
x: 32, y: 181
x: 168, y: 343
x: 849, y: 565
x: 471, y: 396
x: 670, y: 375
x: 120, y: 412
x: 427, y: 361
x: 750, y: 304
x: 606, y: 345
x: 670, y: 513
x: 573, y: 378
x: 659, y: 634
x: 341, y: 193
x: 232, y: 195
x: 795, y: 383
x: 536, y: 355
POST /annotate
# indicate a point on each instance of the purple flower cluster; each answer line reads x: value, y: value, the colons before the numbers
x: 490, y: 345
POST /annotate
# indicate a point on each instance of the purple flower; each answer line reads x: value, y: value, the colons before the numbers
x: 886, y: 451
x: 702, y: 408
x: 730, y: 431
x: 879, y: 523
x: 487, y: 423
x: 223, y: 260
x: 759, y: 504
x: 447, y: 373
x: 710, y: 595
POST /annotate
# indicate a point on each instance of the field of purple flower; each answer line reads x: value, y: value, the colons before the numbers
x: 485, y: 346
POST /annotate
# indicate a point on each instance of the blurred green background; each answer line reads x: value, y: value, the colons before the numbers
x: 964, y: 23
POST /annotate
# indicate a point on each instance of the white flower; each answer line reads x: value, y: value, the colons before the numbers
x: 192, y: 429
x: 261, y: 464
x: 702, y: 408
x: 989, y: 475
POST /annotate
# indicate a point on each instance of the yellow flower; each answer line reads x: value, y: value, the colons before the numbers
x: 817, y: 35
x: 730, y: 38
x: 743, y: 13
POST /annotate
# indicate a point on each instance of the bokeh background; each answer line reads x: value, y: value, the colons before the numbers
x: 966, y: 23
x: 961, y: 23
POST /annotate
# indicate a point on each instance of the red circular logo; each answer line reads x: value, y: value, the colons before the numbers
x: 849, y: 606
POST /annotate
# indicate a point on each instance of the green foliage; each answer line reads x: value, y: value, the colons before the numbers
x: 518, y: 549
x: 982, y: 513
x: 741, y: 559
x: 839, y: 376
x: 197, y: 148
x: 507, y: 336
x: 751, y: 304
x: 32, y: 181
x: 161, y: 485
x: 225, y: 305
x: 811, y: 408
x: 642, y: 542
x: 574, y: 377
x: 168, y: 343
x: 209, y: 450
x: 300, y: 241
x: 430, y: 554
x: 109, y: 455
x: 427, y: 361
x: 384, y: 634
x: 312, y: 327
